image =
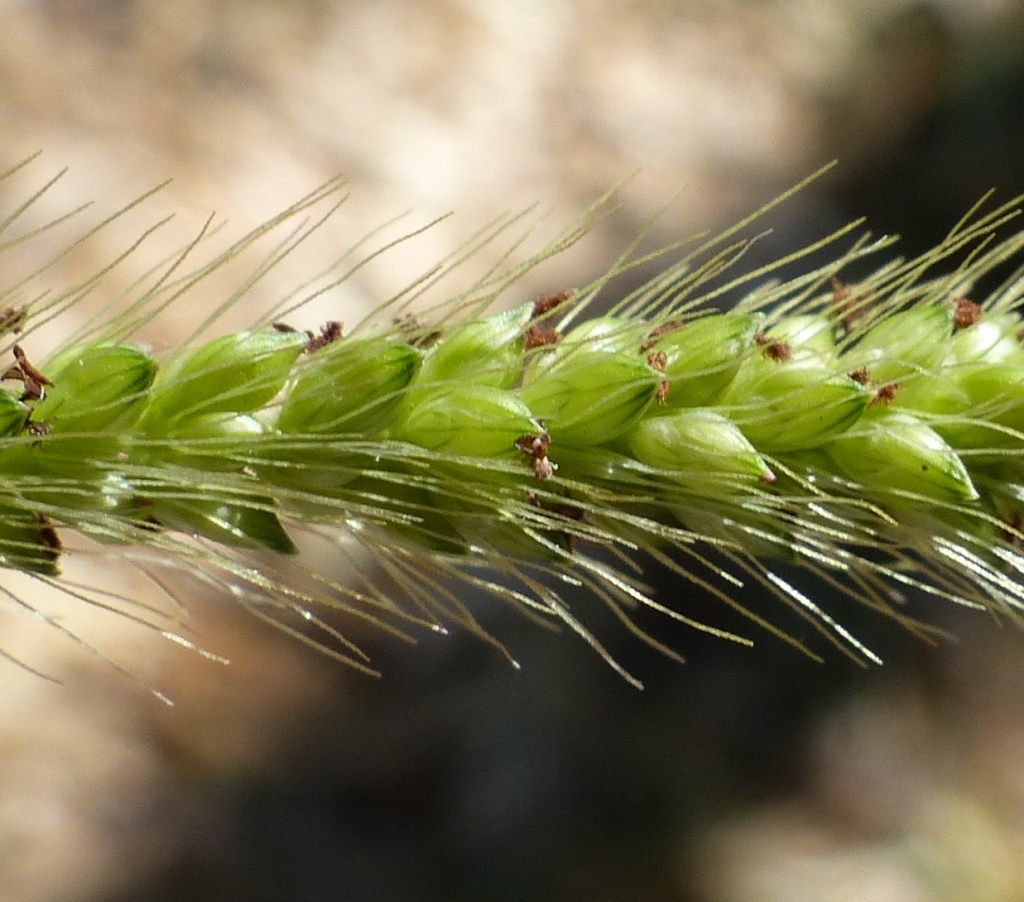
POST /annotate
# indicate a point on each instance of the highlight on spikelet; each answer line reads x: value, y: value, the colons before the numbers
x: 867, y: 433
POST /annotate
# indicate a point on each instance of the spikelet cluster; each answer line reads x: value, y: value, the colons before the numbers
x: 868, y: 431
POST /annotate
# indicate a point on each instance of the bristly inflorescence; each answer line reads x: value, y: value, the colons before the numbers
x: 870, y: 432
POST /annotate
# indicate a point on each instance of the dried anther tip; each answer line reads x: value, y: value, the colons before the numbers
x: 657, y: 360
x: 414, y: 332
x: 773, y: 349
x: 540, y: 336
x: 536, y: 448
x: 548, y: 302
x: 24, y: 372
x: 885, y: 395
x: 664, y: 329
x: 848, y: 307
x: 1011, y: 529
x: 965, y: 313
x: 48, y: 534
x: 330, y: 332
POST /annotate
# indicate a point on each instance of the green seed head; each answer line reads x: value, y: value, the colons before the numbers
x: 875, y: 435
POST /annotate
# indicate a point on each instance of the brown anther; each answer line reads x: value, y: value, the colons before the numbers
x: 773, y: 349
x: 28, y: 375
x: 885, y: 395
x: 861, y: 376
x: 565, y: 511
x: 12, y: 319
x: 548, y: 302
x: 540, y: 336
x: 840, y: 292
x: 330, y: 332
x: 661, y: 396
x: 965, y: 313
x: 673, y: 325
x: 536, y: 448
x: 847, y: 306
x: 657, y: 361
x: 141, y: 519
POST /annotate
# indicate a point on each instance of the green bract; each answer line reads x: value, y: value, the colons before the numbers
x: 237, y: 373
x: 588, y: 396
x: 607, y: 333
x: 995, y: 339
x: 351, y: 386
x: 893, y: 450
x: 698, y: 446
x: 96, y: 388
x: 904, y: 343
x: 210, y: 443
x: 13, y: 414
x: 243, y: 523
x: 489, y: 352
x: 791, y: 406
x: 808, y: 337
x: 703, y: 356
x: 471, y: 421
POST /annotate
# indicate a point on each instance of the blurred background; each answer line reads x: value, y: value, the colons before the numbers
x: 746, y: 775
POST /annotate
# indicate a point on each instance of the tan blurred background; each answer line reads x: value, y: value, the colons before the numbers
x: 745, y: 776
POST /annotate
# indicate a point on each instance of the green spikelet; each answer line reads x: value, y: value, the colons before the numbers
x: 871, y: 435
x: 233, y: 374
